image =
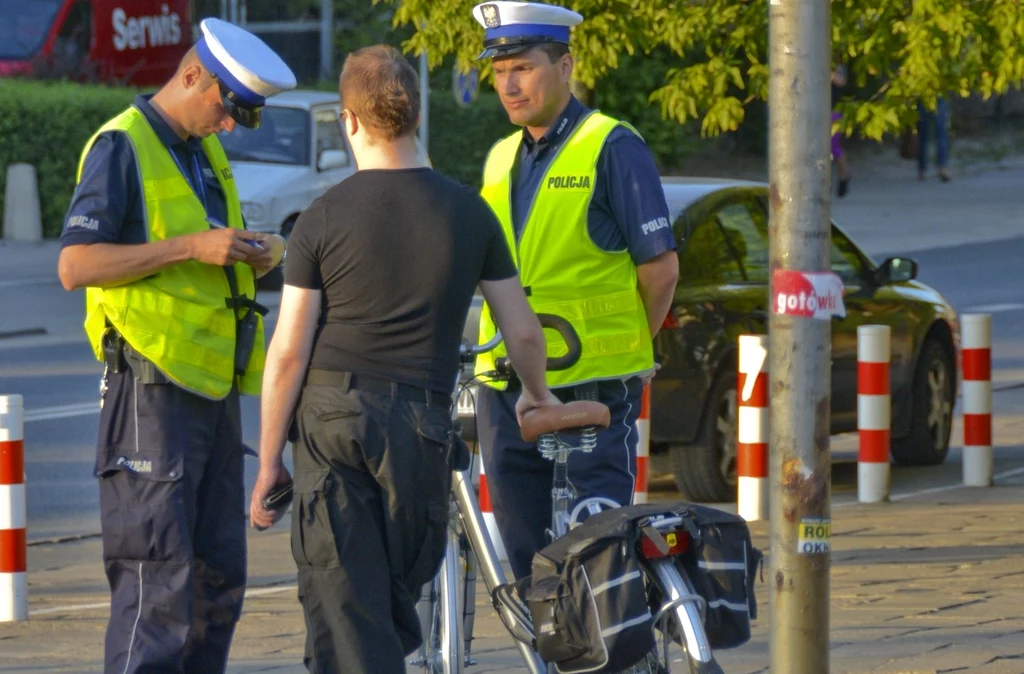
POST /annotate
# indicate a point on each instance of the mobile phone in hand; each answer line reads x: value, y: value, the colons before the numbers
x: 277, y: 501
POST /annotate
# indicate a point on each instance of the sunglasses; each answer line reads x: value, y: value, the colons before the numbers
x: 246, y: 114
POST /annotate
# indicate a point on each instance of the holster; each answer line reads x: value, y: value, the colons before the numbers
x: 113, y: 354
x: 245, y: 334
x: 119, y: 356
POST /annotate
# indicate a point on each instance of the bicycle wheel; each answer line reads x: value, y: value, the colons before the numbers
x: 443, y: 649
x: 680, y: 621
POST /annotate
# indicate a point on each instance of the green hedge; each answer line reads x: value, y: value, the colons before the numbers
x: 47, y: 125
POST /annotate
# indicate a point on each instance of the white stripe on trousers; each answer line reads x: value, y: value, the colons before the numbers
x: 625, y: 441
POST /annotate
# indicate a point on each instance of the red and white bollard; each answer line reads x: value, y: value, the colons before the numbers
x: 752, y: 427
x: 874, y: 413
x: 13, y: 550
x: 977, y: 399
x: 643, y: 447
x: 487, y: 510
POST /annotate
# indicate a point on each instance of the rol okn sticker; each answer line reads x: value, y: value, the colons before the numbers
x: 816, y: 295
x: 815, y: 536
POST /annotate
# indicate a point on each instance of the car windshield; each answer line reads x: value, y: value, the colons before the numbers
x: 24, y: 25
x: 283, y: 138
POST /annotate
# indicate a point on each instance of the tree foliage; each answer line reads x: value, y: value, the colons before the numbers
x: 898, y: 52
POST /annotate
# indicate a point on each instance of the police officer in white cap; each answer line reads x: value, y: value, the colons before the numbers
x: 155, y: 235
x: 579, y: 197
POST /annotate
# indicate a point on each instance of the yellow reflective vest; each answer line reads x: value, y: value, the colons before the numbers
x: 566, y: 273
x: 178, y: 318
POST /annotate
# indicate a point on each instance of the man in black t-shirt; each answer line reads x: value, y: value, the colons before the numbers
x: 380, y: 275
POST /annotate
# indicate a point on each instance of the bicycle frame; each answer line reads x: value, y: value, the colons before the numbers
x: 483, y: 548
x: 680, y: 597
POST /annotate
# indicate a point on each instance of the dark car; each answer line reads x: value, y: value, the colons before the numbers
x: 721, y: 227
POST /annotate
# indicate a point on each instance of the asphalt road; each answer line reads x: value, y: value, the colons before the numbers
x: 956, y: 231
x: 59, y: 383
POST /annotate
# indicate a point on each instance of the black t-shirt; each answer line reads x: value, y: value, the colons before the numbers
x: 398, y: 255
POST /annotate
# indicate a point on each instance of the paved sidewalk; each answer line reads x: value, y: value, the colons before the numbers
x: 929, y: 584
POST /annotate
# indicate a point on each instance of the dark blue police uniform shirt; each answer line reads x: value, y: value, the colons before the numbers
x: 628, y: 210
x: 108, y: 205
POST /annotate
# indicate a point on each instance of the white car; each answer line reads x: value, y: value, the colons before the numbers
x: 296, y: 154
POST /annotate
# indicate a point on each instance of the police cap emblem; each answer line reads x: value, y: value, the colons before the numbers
x: 490, y: 14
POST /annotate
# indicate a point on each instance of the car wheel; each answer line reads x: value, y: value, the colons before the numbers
x: 931, y: 410
x: 286, y: 228
x: 706, y: 470
x: 273, y: 280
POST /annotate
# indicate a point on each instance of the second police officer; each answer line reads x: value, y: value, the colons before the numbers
x: 580, y: 202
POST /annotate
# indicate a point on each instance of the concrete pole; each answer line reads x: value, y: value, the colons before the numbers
x: 22, y: 216
x: 223, y: 10
x: 800, y: 348
x: 326, y: 39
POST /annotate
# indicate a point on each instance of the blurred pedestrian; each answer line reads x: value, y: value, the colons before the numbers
x: 838, y: 152
x: 939, y: 120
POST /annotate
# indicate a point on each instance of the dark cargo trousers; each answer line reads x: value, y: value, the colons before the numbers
x: 519, y: 478
x: 172, y: 503
x: 371, y: 484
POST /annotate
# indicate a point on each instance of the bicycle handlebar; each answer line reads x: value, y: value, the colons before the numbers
x: 572, y: 340
x: 550, y: 321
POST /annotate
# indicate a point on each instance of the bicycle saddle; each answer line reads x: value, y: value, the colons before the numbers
x: 568, y: 418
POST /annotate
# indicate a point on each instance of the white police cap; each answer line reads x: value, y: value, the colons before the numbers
x: 513, y: 27
x: 248, y: 71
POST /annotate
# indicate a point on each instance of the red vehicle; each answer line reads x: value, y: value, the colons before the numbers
x: 137, y: 42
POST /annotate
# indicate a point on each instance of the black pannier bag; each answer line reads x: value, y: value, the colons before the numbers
x: 590, y: 608
x: 588, y: 600
x: 722, y: 564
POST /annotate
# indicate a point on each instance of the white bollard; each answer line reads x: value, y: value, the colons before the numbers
x: 874, y: 413
x: 13, y: 551
x: 976, y: 354
x: 643, y: 447
x: 752, y: 428
x: 487, y: 510
x: 22, y: 219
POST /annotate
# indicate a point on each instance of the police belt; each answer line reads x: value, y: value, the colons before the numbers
x: 379, y: 386
x: 119, y: 356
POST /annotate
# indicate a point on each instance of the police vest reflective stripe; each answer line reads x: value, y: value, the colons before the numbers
x: 178, y: 318
x: 567, y: 273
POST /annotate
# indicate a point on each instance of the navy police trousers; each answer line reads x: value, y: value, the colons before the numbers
x: 172, y: 502
x: 519, y: 478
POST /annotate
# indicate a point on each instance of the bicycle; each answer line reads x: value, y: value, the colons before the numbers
x: 447, y: 608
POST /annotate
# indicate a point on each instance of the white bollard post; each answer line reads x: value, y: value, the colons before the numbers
x: 752, y: 428
x: 13, y: 551
x: 874, y: 413
x: 643, y: 447
x: 22, y: 219
x: 487, y: 510
x: 977, y: 399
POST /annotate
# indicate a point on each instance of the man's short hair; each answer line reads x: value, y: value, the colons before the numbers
x: 191, y: 58
x: 383, y: 90
x: 554, y: 50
